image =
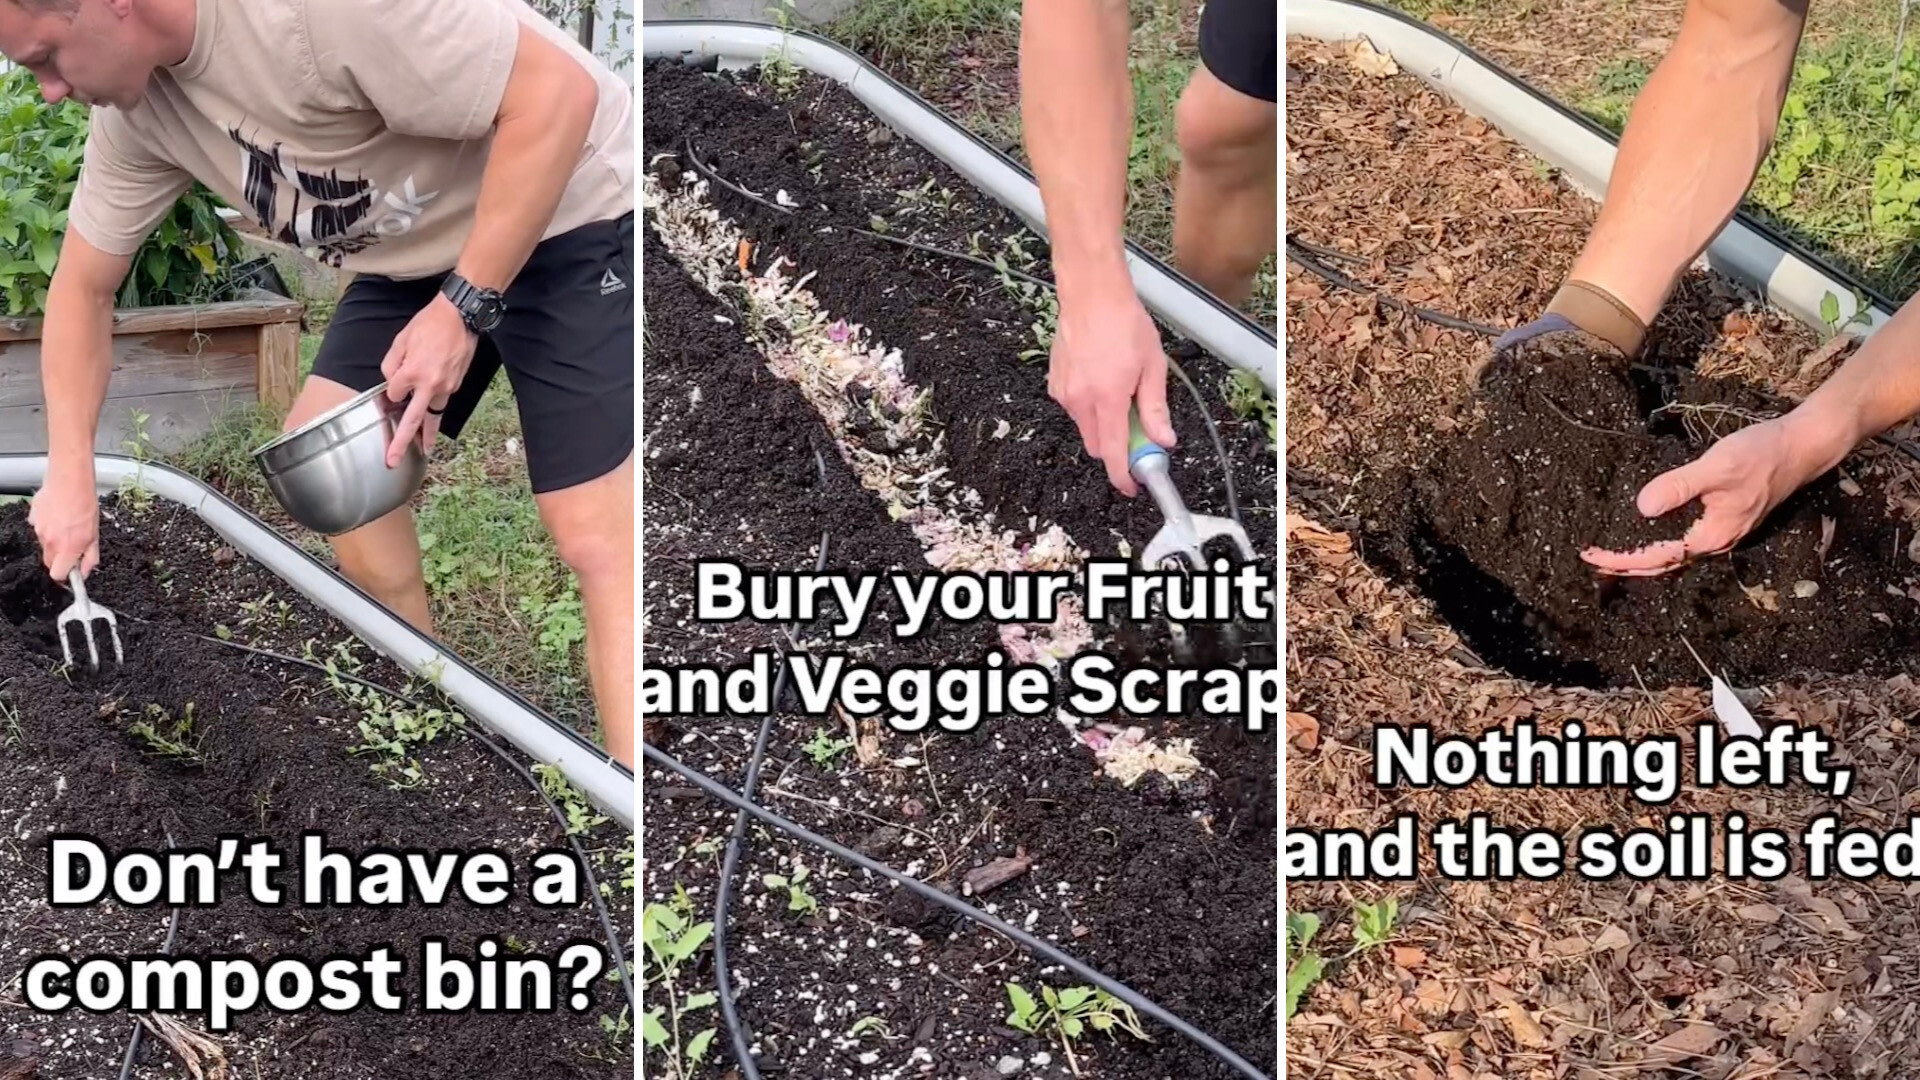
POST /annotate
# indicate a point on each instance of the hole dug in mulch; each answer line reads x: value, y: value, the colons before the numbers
x: 1492, y: 527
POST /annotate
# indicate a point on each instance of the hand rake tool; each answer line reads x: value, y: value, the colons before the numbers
x: 84, y: 612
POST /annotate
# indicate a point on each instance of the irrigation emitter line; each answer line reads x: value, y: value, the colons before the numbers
x: 133, y: 1038
x: 723, y: 898
x: 919, y: 888
x: 1306, y: 260
x: 580, y: 852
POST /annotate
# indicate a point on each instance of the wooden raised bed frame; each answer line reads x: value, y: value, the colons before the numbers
x: 181, y: 366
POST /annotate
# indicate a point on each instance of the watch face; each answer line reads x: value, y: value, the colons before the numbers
x: 487, y: 313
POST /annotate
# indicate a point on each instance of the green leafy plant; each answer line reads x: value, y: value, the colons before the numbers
x: 1373, y: 923
x: 1248, y: 398
x: 1830, y: 311
x: 824, y: 748
x: 778, y: 69
x: 1069, y: 1013
x: 671, y: 939
x: 798, y: 899
x: 580, y: 816
x: 873, y: 1024
x: 1304, y: 966
x: 170, y: 736
x: 392, y: 730
x: 184, y: 260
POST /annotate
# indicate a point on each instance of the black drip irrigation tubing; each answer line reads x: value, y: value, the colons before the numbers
x: 722, y: 966
x: 133, y: 1038
x: 919, y: 888
x: 580, y: 852
x: 1305, y: 258
x: 1308, y: 257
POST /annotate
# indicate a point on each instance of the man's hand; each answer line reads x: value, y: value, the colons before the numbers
x: 1106, y: 359
x: 426, y: 363
x: 1738, y: 482
x: 66, y: 518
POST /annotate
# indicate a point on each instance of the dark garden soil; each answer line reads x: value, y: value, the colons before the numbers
x: 273, y: 744
x: 1491, y: 529
x: 1171, y: 890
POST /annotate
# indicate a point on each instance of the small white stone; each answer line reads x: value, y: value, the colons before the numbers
x: 1008, y: 1065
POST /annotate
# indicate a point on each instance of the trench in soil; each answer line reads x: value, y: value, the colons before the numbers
x: 274, y: 744
x: 1168, y: 888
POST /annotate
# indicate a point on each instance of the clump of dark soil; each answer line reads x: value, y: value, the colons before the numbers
x: 1493, y: 525
x: 273, y: 745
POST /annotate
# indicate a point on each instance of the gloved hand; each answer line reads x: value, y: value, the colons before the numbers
x: 1581, y: 317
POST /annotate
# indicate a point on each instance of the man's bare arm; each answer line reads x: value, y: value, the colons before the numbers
x: 76, y: 347
x: 76, y: 357
x: 1076, y: 106
x: 1695, y: 138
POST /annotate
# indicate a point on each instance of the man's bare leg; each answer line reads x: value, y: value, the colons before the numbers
x: 592, y: 524
x: 1225, y: 202
x: 382, y: 558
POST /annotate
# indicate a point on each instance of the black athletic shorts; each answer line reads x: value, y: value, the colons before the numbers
x: 1240, y: 44
x: 566, y: 342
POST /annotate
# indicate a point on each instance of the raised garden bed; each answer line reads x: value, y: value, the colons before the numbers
x: 175, y: 371
x: 1168, y: 886
x: 230, y: 743
x: 1435, y: 514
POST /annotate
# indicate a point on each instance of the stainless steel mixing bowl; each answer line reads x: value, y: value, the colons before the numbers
x: 331, y: 474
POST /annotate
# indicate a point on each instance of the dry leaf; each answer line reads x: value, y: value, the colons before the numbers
x: 1830, y: 914
x: 1827, y: 527
x: 1303, y: 730
x: 1431, y: 997
x: 1849, y: 485
x: 1370, y: 61
x: 1407, y: 956
x: 1812, y: 1013
x: 1760, y: 913
x: 1818, y: 359
x: 1526, y: 1031
x: 1690, y: 1041
x: 1762, y: 597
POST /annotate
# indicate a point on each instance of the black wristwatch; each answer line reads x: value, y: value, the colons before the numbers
x: 481, y: 309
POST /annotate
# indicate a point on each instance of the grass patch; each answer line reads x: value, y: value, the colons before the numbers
x: 914, y: 33
x: 1843, y: 175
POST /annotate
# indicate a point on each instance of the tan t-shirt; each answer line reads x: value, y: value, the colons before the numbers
x: 355, y: 129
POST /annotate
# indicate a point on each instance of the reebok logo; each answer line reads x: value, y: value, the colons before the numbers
x: 610, y: 283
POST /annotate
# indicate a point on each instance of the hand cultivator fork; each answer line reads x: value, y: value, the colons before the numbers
x: 84, y: 612
x: 1185, y: 533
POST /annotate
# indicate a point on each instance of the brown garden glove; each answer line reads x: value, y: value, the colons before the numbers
x: 1580, y: 318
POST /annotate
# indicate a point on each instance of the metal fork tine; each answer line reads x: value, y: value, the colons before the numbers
x: 83, y: 611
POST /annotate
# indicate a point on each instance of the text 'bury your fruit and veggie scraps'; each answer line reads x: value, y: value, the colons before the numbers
x: 1051, y: 669
x: 484, y: 976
